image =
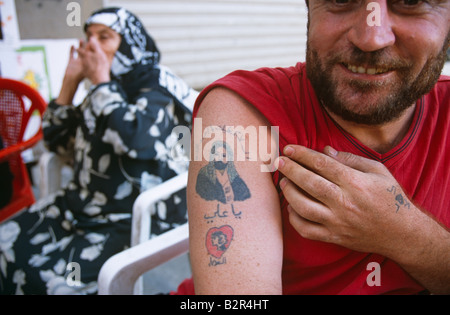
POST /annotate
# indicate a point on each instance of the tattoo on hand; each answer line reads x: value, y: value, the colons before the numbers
x: 400, y: 200
x: 218, y: 240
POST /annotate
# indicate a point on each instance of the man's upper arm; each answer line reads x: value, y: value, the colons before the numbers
x: 234, y: 211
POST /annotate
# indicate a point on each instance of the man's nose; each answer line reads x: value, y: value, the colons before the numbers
x: 367, y: 34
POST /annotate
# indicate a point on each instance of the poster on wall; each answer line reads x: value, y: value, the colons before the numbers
x: 32, y: 68
x: 41, y: 64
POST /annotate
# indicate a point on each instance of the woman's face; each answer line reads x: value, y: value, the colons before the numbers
x: 109, y: 40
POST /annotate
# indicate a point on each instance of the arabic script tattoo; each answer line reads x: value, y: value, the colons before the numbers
x: 400, y: 199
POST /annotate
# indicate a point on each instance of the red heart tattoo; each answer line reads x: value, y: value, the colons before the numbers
x: 218, y: 240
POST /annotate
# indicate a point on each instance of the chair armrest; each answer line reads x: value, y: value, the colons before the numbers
x: 55, y: 173
x: 50, y: 173
x: 120, y: 273
x: 146, y: 201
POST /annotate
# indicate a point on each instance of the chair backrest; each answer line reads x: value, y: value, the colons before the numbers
x: 146, y: 202
x: 19, y: 103
x: 119, y: 274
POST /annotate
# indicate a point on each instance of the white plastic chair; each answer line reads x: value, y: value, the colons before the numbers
x: 50, y: 166
x: 145, y: 205
x: 121, y: 274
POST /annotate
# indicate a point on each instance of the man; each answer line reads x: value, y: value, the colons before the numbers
x: 364, y: 180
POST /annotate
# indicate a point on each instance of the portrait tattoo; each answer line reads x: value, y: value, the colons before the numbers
x: 218, y: 240
x: 219, y: 181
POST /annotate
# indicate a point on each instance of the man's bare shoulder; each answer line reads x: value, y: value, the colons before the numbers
x: 233, y: 206
x: 224, y: 105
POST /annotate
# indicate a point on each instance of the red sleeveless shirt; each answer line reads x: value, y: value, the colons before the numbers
x: 420, y: 163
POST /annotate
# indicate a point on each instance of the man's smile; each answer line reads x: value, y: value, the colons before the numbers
x: 361, y: 69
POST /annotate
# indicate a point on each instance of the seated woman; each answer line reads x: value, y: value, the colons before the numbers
x: 121, y: 139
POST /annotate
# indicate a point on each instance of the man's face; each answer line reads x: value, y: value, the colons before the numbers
x: 220, y: 158
x: 371, y: 74
x: 219, y: 240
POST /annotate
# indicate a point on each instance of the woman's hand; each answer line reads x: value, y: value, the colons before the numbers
x: 72, y: 78
x: 74, y: 70
x: 96, y: 65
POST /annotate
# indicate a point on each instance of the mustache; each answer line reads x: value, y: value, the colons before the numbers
x: 376, y: 59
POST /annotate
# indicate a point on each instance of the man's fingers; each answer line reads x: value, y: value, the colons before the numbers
x: 314, y: 184
x: 335, y: 166
x: 353, y: 161
x: 305, y: 205
x: 307, y: 229
x: 318, y: 163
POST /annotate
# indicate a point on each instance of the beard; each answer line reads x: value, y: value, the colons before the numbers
x: 219, y: 165
x: 388, y: 100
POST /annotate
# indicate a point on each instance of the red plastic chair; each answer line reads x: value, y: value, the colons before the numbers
x: 18, y: 103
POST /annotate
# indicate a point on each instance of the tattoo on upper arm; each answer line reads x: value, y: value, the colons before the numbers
x: 220, y: 182
x: 400, y: 199
x: 218, y: 240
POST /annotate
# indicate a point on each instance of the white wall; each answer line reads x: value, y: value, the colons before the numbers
x: 48, y: 19
x: 202, y: 40
x: 446, y: 70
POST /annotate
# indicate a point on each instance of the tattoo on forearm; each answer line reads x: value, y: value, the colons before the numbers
x: 218, y: 240
x: 400, y: 199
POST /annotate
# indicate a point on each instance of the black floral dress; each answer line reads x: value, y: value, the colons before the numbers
x: 121, y: 140
x: 120, y: 149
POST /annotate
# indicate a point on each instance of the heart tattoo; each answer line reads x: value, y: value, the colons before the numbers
x: 218, y: 240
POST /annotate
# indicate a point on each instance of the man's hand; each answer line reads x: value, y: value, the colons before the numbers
x: 355, y: 202
x: 345, y: 199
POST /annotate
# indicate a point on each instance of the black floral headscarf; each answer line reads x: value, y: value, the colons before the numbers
x: 137, y: 51
x: 136, y: 63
